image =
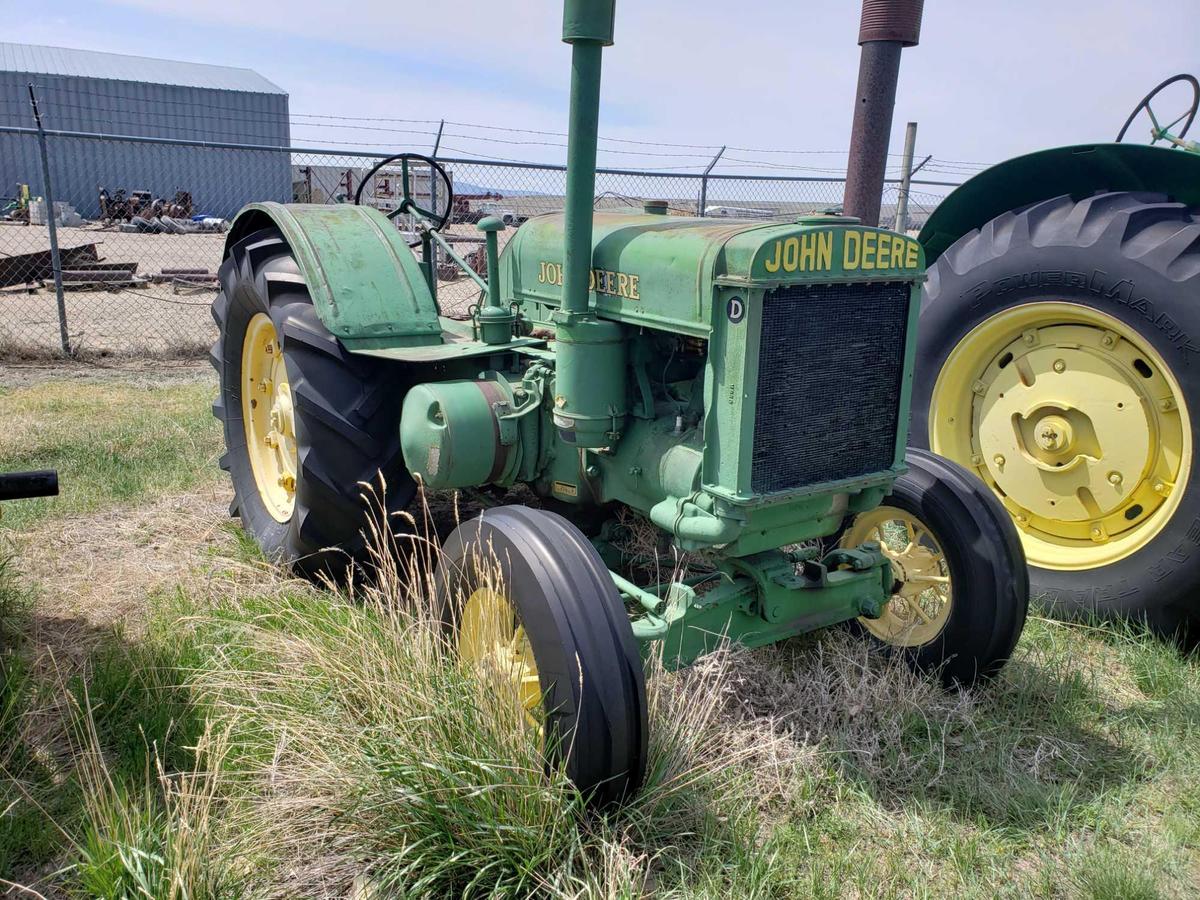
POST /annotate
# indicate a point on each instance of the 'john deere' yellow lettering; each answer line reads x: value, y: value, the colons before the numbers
x: 812, y: 251
x: 602, y: 281
x: 809, y: 252
x: 851, y: 249
x: 824, y: 251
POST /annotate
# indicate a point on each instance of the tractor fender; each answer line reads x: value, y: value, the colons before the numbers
x: 1080, y: 171
x: 365, y: 283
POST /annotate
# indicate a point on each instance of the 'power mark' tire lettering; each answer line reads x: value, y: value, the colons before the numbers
x: 1122, y: 292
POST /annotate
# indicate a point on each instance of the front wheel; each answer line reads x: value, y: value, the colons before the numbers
x: 961, y: 589
x: 530, y: 603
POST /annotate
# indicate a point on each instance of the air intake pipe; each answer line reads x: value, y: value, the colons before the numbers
x: 589, y: 384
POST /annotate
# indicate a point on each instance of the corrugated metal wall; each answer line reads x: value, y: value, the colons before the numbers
x: 220, y: 181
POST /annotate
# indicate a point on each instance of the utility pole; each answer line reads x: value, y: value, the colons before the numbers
x: 906, y: 164
x: 52, y: 226
x: 886, y: 27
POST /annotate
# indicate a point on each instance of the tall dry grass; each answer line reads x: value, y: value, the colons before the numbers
x: 347, y: 750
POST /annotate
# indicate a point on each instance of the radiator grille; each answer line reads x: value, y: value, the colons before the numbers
x: 830, y: 364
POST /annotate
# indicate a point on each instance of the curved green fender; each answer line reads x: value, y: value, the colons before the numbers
x: 365, y: 282
x: 1079, y: 171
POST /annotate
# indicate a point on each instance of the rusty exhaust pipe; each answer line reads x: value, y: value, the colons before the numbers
x: 886, y: 27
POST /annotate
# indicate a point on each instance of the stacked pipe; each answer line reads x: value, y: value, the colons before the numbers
x: 886, y: 27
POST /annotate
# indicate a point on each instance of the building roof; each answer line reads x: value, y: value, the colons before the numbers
x: 120, y: 67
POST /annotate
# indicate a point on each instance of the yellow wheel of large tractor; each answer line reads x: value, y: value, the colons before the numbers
x: 961, y: 588
x: 305, y: 421
x: 1059, y: 356
x: 530, y: 604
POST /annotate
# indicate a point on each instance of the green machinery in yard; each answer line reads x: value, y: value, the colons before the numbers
x: 1059, y: 359
x: 741, y: 387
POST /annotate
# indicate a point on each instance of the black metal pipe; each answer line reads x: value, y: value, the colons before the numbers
x: 20, y: 485
x: 887, y: 26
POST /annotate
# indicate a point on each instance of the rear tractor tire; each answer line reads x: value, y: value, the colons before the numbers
x: 305, y: 421
x: 1058, y: 360
x: 527, y: 600
x: 962, y: 589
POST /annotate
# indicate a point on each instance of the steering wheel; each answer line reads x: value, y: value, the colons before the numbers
x: 440, y: 217
x: 1145, y: 104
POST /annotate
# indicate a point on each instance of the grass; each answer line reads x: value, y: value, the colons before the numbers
x: 112, y: 442
x: 259, y: 737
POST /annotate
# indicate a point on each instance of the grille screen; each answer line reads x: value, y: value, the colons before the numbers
x: 828, y: 383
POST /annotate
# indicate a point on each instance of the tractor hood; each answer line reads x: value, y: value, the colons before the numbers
x: 661, y: 271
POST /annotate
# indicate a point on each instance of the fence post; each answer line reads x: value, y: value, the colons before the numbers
x: 52, y: 225
x: 704, y: 183
x: 433, y: 250
x: 906, y: 164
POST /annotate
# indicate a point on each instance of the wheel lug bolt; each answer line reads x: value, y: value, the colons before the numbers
x: 1060, y: 366
x: 1114, y: 478
x: 998, y: 460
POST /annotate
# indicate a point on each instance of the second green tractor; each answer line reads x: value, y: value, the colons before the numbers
x: 1059, y: 360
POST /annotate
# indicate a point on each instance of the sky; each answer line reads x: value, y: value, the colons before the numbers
x: 988, y: 81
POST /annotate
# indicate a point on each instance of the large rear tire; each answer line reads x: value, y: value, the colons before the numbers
x: 526, y: 594
x: 305, y: 421
x: 1058, y: 356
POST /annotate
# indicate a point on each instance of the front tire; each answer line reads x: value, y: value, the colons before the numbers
x: 305, y: 421
x: 1081, y: 314
x: 962, y: 586
x: 524, y: 593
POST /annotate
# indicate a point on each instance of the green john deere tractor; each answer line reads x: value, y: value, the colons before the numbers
x: 741, y: 386
x: 1059, y: 360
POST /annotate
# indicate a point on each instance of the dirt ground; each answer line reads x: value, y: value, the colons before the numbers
x: 122, y: 554
x: 137, y: 371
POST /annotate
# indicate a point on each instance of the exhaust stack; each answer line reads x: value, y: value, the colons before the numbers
x: 886, y: 27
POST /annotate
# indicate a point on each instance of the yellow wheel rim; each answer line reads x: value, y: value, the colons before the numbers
x: 1075, y: 422
x: 920, y: 608
x: 491, y: 639
x: 267, y: 418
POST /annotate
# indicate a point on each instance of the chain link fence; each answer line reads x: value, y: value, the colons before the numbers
x: 141, y: 222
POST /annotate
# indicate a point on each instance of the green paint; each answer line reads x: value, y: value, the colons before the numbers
x: 1079, y: 171
x: 663, y: 272
x: 766, y: 598
x: 364, y: 281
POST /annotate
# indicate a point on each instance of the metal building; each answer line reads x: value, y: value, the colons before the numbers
x: 122, y: 96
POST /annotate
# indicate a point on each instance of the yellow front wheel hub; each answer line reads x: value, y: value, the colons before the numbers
x: 268, y: 419
x: 1075, y: 422
x: 918, y: 611
x: 491, y: 638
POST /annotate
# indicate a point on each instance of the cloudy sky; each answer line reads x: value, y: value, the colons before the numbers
x: 989, y: 79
